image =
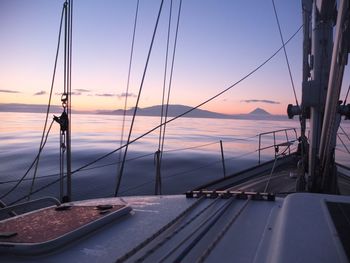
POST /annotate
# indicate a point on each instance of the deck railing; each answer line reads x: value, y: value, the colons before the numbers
x: 276, y: 145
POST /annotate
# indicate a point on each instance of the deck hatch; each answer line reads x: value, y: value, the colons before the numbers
x: 48, y: 228
x: 340, y: 214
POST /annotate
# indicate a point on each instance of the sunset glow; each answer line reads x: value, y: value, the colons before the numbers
x: 217, y: 45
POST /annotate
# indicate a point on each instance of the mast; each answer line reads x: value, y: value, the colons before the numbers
x: 323, y: 68
x: 65, y: 119
x: 68, y: 82
x: 314, y: 90
x: 332, y: 114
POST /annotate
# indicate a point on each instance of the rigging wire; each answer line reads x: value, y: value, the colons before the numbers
x: 193, y: 108
x: 145, y: 155
x: 43, y: 140
x: 187, y: 171
x: 134, y: 187
x: 344, y: 132
x: 211, y: 143
x: 340, y: 150
x: 273, y: 169
x: 49, y: 103
x: 31, y: 166
x: 285, y: 52
x: 159, y: 153
x: 346, y: 96
x: 69, y: 88
x: 170, y: 81
x: 165, y: 76
x: 178, y: 116
x: 128, y: 82
x: 342, y: 142
x: 86, y: 169
x: 158, y: 185
x: 137, y: 101
x: 140, y: 185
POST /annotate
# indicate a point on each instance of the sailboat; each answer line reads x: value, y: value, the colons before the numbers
x: 243, y: 217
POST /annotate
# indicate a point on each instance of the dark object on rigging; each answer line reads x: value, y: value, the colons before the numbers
x: 344, y: 110
x: 62, y: 121
x: 293, y: 110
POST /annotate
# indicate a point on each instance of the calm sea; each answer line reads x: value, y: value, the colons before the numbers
x: 191, y: 157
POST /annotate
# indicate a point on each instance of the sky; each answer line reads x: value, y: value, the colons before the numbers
x: 219, y: 41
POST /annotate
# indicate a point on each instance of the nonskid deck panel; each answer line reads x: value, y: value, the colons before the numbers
x: 48, y: 228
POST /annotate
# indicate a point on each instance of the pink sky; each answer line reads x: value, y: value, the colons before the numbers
x: 217, y: 45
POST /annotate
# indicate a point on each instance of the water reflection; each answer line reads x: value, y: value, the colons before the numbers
x: 191, y: 154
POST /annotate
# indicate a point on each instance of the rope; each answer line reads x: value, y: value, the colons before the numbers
x: 49, y: 102
x: 137, y: 101
x: 128, y: 81
x: 285, y: 52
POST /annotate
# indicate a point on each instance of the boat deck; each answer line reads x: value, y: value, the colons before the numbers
x: 211, y: 225
x: 208, y: 229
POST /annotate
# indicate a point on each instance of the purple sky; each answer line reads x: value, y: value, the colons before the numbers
x: 219, y: 42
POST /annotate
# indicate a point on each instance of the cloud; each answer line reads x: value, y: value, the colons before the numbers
x: 82, y: 90
x: 120, y: 96
x: 106, y: 95
x: 42, y: 92
x: 72, y: 93
x: 124, y: 94
x: 261, y: 101
x: 9, y: 91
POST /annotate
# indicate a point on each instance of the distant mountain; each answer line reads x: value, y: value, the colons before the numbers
x: 173, y: 110
x: 33, y: 108
x: 259, y: 111
x: 36, y: 108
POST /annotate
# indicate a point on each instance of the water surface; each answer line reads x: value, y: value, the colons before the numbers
x: 191, y: 157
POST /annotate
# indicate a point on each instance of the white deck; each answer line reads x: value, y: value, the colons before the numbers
x: 297, y: 228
